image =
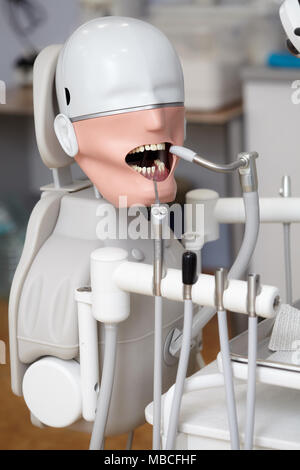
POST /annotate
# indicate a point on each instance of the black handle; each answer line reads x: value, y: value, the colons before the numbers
x: 189, y: 268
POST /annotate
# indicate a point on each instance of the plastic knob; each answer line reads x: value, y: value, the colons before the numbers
x: 189, y: 268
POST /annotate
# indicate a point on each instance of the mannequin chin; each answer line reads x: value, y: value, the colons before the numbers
x: 110, y: 152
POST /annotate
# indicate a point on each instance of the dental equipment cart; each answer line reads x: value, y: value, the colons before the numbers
x: 203, y: 419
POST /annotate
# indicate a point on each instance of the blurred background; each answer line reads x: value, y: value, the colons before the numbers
x: 238, y: 81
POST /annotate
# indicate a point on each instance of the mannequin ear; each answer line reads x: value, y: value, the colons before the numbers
x: 66, y: 135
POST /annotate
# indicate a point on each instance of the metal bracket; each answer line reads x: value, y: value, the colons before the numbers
x: 254, y: 288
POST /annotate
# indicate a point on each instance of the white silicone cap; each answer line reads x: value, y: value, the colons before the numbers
x: 109, y: 303
x: 115, y: 63
x: 184, y: 153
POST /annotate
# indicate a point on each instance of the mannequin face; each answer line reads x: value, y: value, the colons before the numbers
x: 107, y: 153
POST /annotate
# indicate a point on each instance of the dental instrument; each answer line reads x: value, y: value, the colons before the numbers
x: 189, y: 278
x: 248, y: 178
x: 253, y: 292
x: 286, y: 192
x: 221, y: 280
x: 158, y: 219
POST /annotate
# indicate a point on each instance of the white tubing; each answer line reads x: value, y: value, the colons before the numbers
x: 181, y: 375
x: 107, y: 381
x: 251, y: 392
x: 129, y: 440
x: 137, y: 278
x: 228, y: 379
x: 89, y: 360
x: 251, y: 207
x: 272, y: 210
x: 157, y: 376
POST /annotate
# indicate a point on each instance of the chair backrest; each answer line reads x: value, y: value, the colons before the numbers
x: 46, y: 108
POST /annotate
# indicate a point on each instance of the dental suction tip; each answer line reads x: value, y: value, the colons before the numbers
x: 184, y: 153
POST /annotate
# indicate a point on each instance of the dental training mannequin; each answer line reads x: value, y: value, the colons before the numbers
x: 120, y: 93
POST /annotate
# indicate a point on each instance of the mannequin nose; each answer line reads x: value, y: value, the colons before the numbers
x: 155, y: 119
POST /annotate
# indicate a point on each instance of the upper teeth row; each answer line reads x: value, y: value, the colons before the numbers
x: 152, y: 147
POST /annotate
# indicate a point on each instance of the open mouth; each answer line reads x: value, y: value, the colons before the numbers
x: 153, y: 161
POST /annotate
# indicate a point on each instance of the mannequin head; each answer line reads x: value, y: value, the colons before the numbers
x: 104, y: 154
x: 120, y: 92
x: 290, y: 18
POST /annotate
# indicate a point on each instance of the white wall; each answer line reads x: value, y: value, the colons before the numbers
x: 62, y: 17
x: 272, y: 125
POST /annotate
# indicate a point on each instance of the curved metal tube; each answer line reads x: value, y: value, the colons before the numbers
x: 228, y: 168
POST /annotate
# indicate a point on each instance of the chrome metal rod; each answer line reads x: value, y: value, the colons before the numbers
x: 229, y: 168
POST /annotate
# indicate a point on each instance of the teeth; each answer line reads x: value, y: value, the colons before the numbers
x: 152, y: 147
x: 161, y: 146
x: 158, y: 165
x: 148, y: 171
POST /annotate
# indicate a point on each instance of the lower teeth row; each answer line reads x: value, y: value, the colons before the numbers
x: 150, y: 170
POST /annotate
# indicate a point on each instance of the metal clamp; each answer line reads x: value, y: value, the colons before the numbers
x: 254, y: 288
x: 221, y: 283
x: 248, y: 173
x: 286, y: 187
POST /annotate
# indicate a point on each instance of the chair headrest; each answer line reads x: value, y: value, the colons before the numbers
x: 46, y: 108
